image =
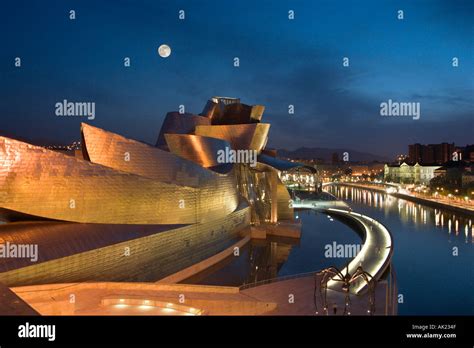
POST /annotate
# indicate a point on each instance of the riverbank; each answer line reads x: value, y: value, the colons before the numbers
x: 431, y: 246
x: 417, y: 199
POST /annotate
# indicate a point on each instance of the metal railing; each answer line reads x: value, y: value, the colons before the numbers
x: 392, y: 292
x: 275, y: 280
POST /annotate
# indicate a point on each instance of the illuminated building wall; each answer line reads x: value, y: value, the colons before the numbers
x: 186, y: 204
x: 47, y: 184
x: 158, y: 254
x: 409, y: 174
x: 241, y: 136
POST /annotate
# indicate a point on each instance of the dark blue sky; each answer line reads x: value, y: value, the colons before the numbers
x: 282, y: 62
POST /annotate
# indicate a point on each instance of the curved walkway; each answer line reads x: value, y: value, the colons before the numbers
x: 376, y: 253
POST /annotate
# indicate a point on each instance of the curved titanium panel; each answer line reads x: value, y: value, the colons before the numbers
x: 241, y: 136
x: 70, y: 252
x: 283, y: 165
x: 282, y: 210
x: 201, y: 150
x: 226, y: 111
x: 48, y: 184
x: 285, y: 210
x: 131, y: 156
x: 176, y: 123
x: 57, y: 239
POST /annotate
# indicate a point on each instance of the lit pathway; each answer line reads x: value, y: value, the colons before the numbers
x: 178, y: 299
x: 376, y: 253
x: 115, y: 298
x: 296, y: 297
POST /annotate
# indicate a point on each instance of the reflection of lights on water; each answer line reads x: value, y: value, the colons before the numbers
x: 407, y: 211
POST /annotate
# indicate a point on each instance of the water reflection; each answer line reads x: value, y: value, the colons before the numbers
x: 276, y: 257
x: 258, y: 260
x: 409, y: 212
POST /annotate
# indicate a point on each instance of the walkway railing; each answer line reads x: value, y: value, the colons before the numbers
x: 376, y: 253
x: 276, y: 279
x: 392, y: 296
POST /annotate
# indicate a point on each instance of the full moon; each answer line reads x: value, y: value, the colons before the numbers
x: 164, y: 51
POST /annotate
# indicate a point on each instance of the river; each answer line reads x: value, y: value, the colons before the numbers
x: 433, y: 251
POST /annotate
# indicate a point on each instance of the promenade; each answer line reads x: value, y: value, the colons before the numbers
x: 453, y: 204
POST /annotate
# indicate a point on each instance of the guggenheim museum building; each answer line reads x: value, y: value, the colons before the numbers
x: 121, y: 206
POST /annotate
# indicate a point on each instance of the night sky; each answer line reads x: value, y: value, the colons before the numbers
x: 282, y: 62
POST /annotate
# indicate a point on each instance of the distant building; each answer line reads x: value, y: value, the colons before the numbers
x: 467, y: 153
x: 431, y: 153
x: 329, y: 170
x: 467, y: 179
x: 359, y: 169
x: 455, y: 173
x: 376, y: 167
x: 409, y: 174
